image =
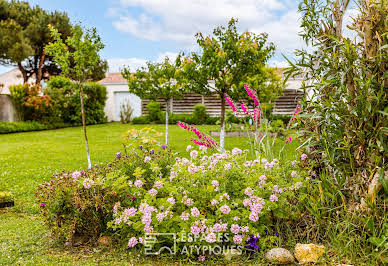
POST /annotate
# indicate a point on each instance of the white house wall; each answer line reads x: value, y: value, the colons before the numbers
x: 110, y: 105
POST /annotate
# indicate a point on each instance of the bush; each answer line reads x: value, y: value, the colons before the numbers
x: 277, y: 124
x: 266, y: 109
x: 6, y: 197
x: 174, y: 118
x: 284, y: 118
x: 13, y: 127
x: 67, y: 106
x: 141, y: 120
x: 154, y: 111
x: 199, y: 114
x: 149, y: 190
x: 29, y: 104
x: 126, y: 113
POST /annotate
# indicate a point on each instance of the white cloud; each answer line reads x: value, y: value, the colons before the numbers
x: 117, y: 64
x: 283, y: 32
x: 171, y: 56
x: 278, y: 63
x: 178, y: 20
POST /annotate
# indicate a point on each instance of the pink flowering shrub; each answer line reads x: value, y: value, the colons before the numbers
x: 148, y: 189
x: 83, y: 202
x: 200, y: 199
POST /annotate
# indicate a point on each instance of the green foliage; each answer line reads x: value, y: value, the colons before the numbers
x: 157, y: 80
x: 30, y: 105
x: 266, y: 109
x: 6, y: 197
x: 126, y: 112
x: 199, y: 114
x: 268, y: 84
x: 23, y: 35
x: 141, y: 120
x: 228, y: 58
x: 277, y: 123
x: 71, y: 208
x: 13, y: 127
x: 67, y: 108
x: 99, y: 201
x: 154, y: 111
x: 77, y: 56
x: 345, y: 127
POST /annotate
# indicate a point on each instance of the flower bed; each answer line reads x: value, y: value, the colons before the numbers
x: 210, y: 200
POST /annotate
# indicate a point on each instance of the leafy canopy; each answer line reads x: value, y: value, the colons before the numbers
x: 156, y: 80
x: 78, y: 56
x: 227, y: 58
x: 24, y: 34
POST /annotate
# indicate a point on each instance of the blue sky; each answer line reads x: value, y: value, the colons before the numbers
x: 135, y: 31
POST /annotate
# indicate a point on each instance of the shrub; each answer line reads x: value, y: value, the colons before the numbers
x: 149, y: 190
x: 154, y: 111
x: 67, y: 107
x: 266, y: 109
x: 141, y: 120
x: 284, y: 118
x: 29, y: 104
x: 6, y: 197
x: 174, y: 118
x: 199, y: 114
x: 13, y: 127
x: 125, y: 113
x: 277, y: 123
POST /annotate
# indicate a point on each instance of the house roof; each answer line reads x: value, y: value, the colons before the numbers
x: 12, y: 77
x: 113, y: 78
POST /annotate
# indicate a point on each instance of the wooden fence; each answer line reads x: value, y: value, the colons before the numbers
x: 186, y: 105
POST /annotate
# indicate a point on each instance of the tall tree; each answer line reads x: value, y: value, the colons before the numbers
x: 157, y: 80
x: 226, y: 58
x: 24, y: 34
x: 78, y: 58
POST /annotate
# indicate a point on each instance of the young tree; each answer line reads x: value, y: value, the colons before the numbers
x: 157, y: 80
x: 78, y: 58
x: 227, y: 59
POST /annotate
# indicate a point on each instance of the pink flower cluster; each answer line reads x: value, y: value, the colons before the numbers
x: 251, y: 94
x: 88, y: 183
x: 245, y: 111
x: 203, y: 139
x: 255, y: 204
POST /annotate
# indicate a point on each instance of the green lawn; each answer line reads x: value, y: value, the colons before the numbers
x: 28, y: 159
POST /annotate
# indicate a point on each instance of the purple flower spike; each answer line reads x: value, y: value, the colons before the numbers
x: 42, y: 204
x: 118, y: 155
x: 163, y: 147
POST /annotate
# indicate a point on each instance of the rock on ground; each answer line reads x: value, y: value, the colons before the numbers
x: 306, y: 253
x: 279, y: 256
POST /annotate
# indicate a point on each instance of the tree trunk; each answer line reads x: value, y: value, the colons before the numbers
x: 39, y: 74
x: 338, y: 17
x: 84, y: 124
x: 23, y: 71
x: 222, y: 133
x: 167, y: 104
